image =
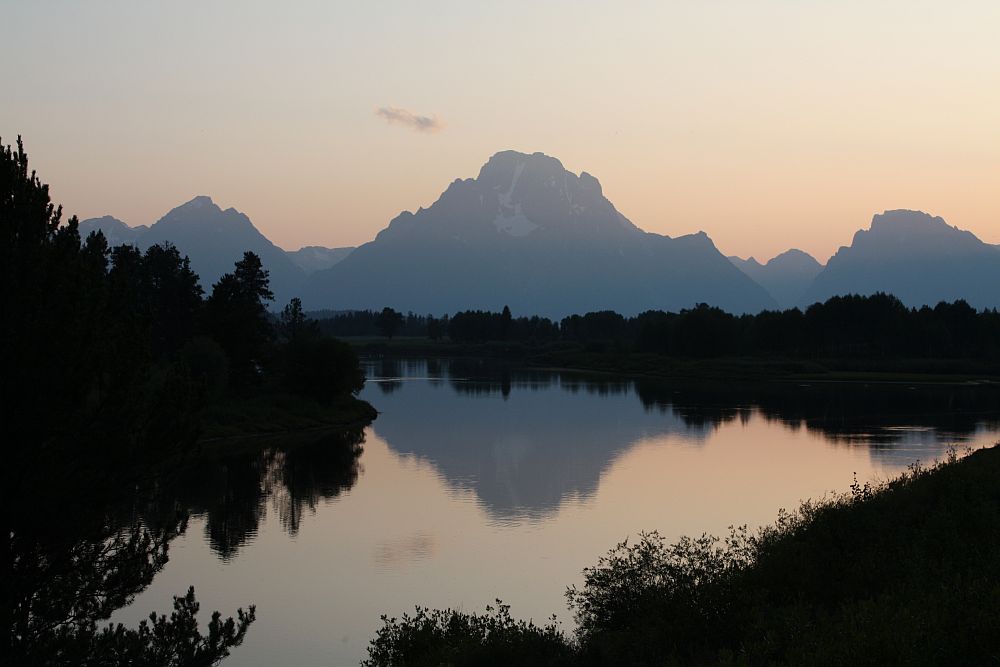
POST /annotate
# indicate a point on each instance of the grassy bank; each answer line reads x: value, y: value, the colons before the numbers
x: 907, y: 572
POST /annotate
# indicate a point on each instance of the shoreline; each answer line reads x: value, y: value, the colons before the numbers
x: 563, y: 358
x: 279, y: 415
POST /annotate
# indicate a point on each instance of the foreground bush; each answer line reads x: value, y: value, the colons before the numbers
x: 450, y: 637
x: 905, y: 572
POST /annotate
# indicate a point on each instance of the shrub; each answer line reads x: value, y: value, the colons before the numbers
x: 902, y: 572
x: 449, y: 637
x: 322, y: 368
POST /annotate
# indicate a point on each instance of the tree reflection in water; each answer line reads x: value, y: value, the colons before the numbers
x: 292, y: 476
x: 525, y: 440
x: 72, y: 571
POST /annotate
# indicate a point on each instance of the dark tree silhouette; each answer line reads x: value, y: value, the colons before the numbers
x: 293, y: 323
x: 505, y: 323
x: 389, y: 322
x: 87, y: 416
x: 237, y: 317
x: 175, y: 298
x: 861, y: 329
x: 363, y: 323
x: 436, y: 327
x: 314, y: 366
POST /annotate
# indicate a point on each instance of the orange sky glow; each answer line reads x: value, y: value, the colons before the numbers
x: 767, y: 124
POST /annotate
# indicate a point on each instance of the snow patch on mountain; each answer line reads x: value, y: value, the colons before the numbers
x: 505, y: 197
x: 510, y: 220
x: 516, y: 224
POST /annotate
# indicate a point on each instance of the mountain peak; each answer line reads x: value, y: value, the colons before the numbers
x: 750, y: 261
x: 108, y: 220
x: 200, y: 201
x: 516, y: 195
x: 908, y: 220
x: 794, y: 257
x: 785, y: 276
x: 526, y: 193
x: 114, y: 230
x: 505, y: 162
x: 909, y: 232
x: 528, y: 233
x: 916, y: 256
x: 202, y: 210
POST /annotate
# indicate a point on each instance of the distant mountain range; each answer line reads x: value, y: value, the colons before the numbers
x: 316, y: 258
x: 529, y: 234
x: 215, y: 240
x: 785, y: 277
x: 114, y: 230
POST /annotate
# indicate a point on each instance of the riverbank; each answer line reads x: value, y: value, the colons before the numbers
x: 274, y: 413
x: 773, y: 369
x: 569, y: 356
x: 906, y: 572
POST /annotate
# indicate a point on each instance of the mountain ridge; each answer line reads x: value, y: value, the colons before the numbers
x: 918, y: 257
x: 785, y: 276
x: 529, y: 234
x: 214, y: 239
x: 313, y: 258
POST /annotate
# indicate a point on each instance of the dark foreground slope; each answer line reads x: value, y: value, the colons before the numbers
x: 904, y: 573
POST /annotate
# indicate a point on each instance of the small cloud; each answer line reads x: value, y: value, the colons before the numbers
x: 410, y: 119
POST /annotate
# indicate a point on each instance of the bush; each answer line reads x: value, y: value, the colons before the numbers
x: 454, y: 638
x: 904, y: 572
x: 651, y: 598
x: 321, y: 368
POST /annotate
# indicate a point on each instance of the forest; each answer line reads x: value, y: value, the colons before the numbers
x: 116, y: 364
x: 853, y: 327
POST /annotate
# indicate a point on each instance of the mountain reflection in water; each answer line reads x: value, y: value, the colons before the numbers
x: 480, y: 481
x: 522, y: 457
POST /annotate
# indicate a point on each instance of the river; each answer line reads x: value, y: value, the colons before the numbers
x: 479, y: 482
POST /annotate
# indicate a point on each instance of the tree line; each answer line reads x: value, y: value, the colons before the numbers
x: 852, y: 326
x: 108, y: 358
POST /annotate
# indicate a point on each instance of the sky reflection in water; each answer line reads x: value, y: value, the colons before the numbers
x: 478, y: 482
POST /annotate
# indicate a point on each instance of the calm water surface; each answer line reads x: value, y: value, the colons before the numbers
x: 478, y: 482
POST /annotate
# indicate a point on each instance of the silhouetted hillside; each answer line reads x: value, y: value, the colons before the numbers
x: 785, y: 277
x: 528, y: 233
x: 918, y: 258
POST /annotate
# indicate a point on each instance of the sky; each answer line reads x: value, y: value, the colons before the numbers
x: 766, y: 124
